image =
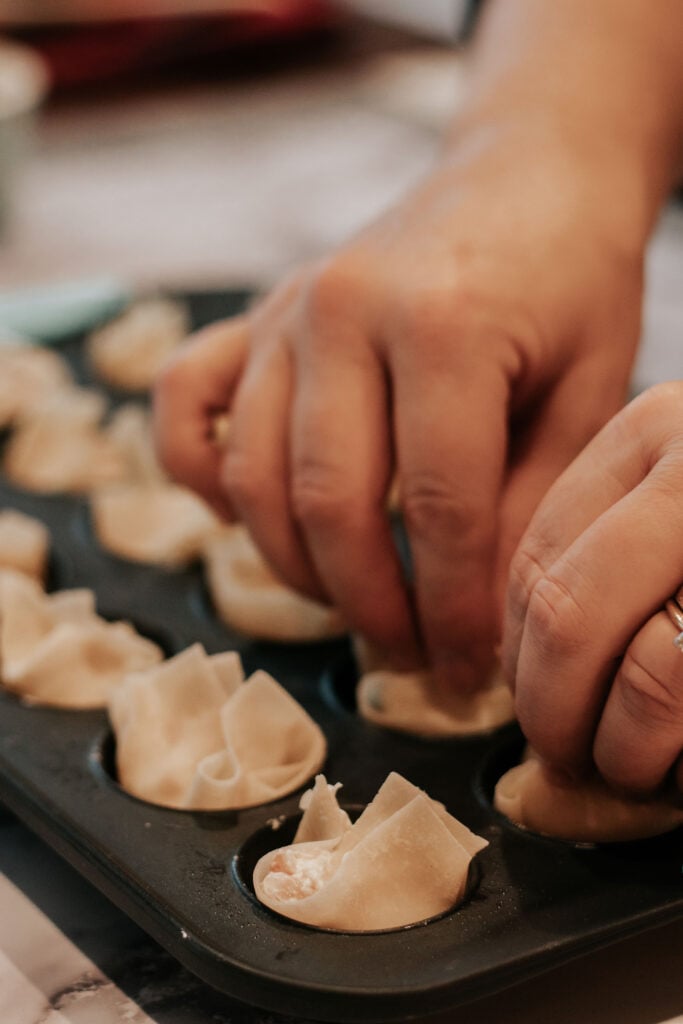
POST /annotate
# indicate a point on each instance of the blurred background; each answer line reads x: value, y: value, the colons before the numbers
x: 211, y: 143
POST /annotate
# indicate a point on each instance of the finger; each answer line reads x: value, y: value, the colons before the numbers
x: 611, y: 465
x: 640, y: 735
x: 255, y: 469
x: 451, y: 434
x: 583, y: 612
x: 341, y: 471
x: 194, y: 388
x: 542, y: 445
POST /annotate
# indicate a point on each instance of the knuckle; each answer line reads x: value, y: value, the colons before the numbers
x: 660, y: 405
x: 319, y: 497
x: 431, y: 506
x: 440, y: 314
x: 525, y: 571
x: 662, y: 399
x: 555, y: 615
x: 331, y: 287
x: 647, y: 698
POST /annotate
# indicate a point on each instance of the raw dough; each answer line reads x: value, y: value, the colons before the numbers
x: 588, y: 812
x: 250, y: 599
x: 24, y: 543
x: 404, y: 860
x: 55, y: 649
x: 193, y: 734
x: 128, y: 353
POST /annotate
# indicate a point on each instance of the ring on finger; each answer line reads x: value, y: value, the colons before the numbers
x: 674, y: 610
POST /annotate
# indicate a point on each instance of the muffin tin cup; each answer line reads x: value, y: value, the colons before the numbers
x: 184, y: 876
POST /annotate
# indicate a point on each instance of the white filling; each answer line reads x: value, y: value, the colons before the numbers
x: 297, y: 873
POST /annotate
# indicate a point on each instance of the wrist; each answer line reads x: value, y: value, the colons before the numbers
x: 618, y: 191
x: 601, y: 83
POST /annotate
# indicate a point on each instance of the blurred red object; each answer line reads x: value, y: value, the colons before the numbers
x: 87, y: 41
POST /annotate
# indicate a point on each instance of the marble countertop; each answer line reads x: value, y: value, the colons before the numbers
x: 220, y: 184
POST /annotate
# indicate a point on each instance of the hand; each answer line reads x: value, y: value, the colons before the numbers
x: 472, y: 340
x: 598, y: 677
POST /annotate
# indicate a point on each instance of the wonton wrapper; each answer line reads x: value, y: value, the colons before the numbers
x: 128, y: 353
x: 159, y: 524
x: 130, y: 428
x: 404, y: 701
x: 588, y: 812
x: 146, y: 518
x: 192, y: 734
x: 55, y: 649
x: 24, y: 543
x: 62, y: 448
x: 30, y: 376
x: 404, y: 860
x: 250, y: 599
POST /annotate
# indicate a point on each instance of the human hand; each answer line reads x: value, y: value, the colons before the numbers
x: 472, y: 340
x: 598, y: 678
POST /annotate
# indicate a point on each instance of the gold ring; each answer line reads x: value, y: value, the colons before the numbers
x: 675, y: 613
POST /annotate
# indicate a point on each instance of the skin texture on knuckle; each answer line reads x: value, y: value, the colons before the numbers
x: 431, y: 506
x: 526, y: 569
x: 556, y: 619
x: 319, y: 496
x: 334, y: 288
x: 435, y: 314
x: 656, y: 419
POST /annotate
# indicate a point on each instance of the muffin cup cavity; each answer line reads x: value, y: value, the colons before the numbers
x: 279, y: 832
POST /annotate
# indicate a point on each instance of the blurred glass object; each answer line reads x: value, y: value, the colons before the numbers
x: 23, y: 86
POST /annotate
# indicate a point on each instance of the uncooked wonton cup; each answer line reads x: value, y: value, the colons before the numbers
x: 250, y: 599
x: 157, y: 524
x: 144, y: 517
x: 62, y: 447
x: 29, y: 377
x: 194, y: 735
x: 129, y: 352
x: 55, y: 649
x: 406, y: 702
x: 24, y: 543
x: 586, y: 812
x: 403, y: 861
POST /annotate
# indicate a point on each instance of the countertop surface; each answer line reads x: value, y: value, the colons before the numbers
x: 223, y: 184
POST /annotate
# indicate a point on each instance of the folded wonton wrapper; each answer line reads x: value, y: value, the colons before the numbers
x: 405, y: 701
x: 159, y: 524
x: 192, y: 734
x: 29, y: 377
x: 129, y: 352
x: 130, y: 428
x: 250, y: 599
x: 55, y: 649
x: 146, y: 518
x: 404, y: 860
x: 24, y: 543
x: 588, y: 812
x: 62, y: 447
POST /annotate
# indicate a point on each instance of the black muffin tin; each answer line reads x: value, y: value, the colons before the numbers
x: 185, y: 877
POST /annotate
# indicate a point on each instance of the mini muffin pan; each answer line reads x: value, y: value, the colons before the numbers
x: 185, y: 877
